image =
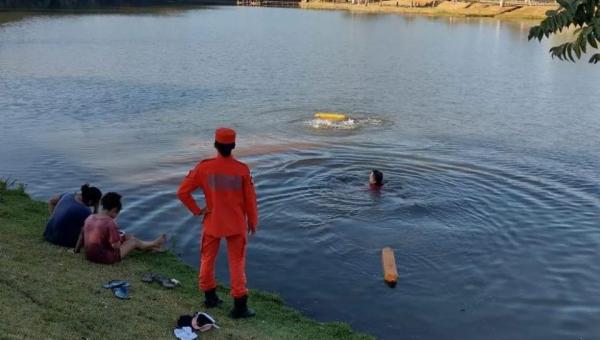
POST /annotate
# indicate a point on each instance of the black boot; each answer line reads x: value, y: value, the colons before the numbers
x: 211, y: 299
x: 240, y: 308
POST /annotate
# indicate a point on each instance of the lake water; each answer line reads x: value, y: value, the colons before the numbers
x: 490, y: 150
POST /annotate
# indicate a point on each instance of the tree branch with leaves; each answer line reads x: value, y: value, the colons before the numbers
x: 585, y: 16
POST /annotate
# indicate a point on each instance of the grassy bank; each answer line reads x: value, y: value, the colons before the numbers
x: 444, y: 8
x: 47, y: 292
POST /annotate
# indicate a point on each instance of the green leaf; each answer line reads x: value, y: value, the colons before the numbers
x: 595, y: 58
x: 580, y: 43
x: 535, y: 33
x: 590, y: 7
x: 570, y: 52
x: 554, y: 52
x: 564, y: 50
x: 577, y: 50
x: 584, y: 16
x: 560, y: 51
x: 582, y: 46
x: 564, y: 3
x: 591, y: 40
x: 559, y: 21
x: 531, y: 33
x: 564, y: 21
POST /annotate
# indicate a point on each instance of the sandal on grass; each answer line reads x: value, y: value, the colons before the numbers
x: 161, y: 279
x: 115, y: 283
x: 148, y: 277
x: 121, y: 292
x: 164, y: 281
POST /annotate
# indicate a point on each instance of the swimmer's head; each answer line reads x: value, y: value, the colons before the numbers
x: 376, y: 178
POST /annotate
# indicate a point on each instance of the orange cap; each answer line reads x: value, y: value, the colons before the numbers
x: 225, y: 136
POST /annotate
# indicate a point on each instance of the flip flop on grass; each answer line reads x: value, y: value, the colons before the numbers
x: 115, y: 283
x: 119, y: 288
x: 148, y: 277
x: 121, y: 292
x: 162, y: 280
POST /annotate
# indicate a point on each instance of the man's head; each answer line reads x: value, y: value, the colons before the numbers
x: 111, y: 203
x: 224, y: 141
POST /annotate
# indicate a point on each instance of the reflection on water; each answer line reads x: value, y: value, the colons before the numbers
x: 492, y: 195
x: 7, y: 17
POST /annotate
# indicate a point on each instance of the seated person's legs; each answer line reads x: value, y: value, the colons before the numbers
x: 132, y: 243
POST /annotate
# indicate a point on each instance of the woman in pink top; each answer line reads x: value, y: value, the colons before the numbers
x: 101, y: 237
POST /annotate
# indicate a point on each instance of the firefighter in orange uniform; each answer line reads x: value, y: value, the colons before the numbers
x: 230, y: 213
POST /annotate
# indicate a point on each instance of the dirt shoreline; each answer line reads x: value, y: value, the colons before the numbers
x: 445, y: 8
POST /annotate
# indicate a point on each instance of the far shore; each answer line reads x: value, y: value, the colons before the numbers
x: 407, y: 7
x: 443, y: 8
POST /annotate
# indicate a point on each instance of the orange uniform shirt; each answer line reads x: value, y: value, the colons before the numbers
x: 229, y: 194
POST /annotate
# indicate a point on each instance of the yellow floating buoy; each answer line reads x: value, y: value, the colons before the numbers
x: 390, y: 272
x: 334, y: 116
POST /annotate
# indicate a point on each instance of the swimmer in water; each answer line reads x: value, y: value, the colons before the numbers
x: 375, y: 179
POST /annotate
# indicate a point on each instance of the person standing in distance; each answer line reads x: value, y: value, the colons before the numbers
x: 230, y: 213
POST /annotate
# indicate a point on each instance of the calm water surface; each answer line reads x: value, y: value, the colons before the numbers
x: 489, y: 149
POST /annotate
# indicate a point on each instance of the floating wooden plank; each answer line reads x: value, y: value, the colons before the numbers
x: 390, y: 272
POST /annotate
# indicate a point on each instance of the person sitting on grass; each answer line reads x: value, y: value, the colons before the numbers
x: 101, y: 238
x: 68, y: 212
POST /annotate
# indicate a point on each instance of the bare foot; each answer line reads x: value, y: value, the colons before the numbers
x: 159, y: 243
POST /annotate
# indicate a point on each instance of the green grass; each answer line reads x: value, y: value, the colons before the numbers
x: 47, y: 292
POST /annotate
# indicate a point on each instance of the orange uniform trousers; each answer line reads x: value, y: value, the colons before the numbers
x: 236, y: 255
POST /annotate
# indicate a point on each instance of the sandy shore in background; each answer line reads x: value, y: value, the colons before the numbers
x: 448, y: 8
